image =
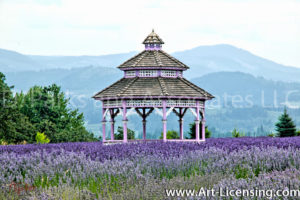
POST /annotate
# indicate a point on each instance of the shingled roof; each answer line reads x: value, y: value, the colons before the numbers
x: 158, y: 86
x: 153, y: 38
x: 153, y: 59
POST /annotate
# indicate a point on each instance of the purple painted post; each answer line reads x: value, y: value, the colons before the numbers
x: 159, y: 73
x: 103, y: 131
x: 144, y: 129
x: 181, y: 128
x: 203, y: 123
x: 164, y: 104
x: 197, y: 120
x: 112, y: 129
x: 103, y: 124
x: 124, y: 122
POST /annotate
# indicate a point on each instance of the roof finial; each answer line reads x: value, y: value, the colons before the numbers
x: 153, y: 41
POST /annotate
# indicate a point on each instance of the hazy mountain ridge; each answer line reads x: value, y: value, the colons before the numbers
x: 201, y: 60
x: 216, y: 58
x: 81, y: 83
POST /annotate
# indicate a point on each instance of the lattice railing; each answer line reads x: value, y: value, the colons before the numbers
x: 148, y: 73
x: 183, y: 102
x: 130, y: 73
x: 137, y: 103
x: 168, y: 73
x: 113, y: 103
x: 153, y: 103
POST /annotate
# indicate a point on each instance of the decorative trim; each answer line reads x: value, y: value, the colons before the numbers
x: 194, y: 113
x: 157, y: 111
x: 152, y: 97
x: 169, y: 111
x: 148, y: 68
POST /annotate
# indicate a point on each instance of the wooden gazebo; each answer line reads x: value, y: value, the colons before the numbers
x: 153, y: 81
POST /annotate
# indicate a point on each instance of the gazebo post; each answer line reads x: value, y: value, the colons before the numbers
x: 112, y: 129
x: 181, y: 128
x: 164, y: 104
x: 144, y: 123
x: 180, y: 114
x: 112, y: 124
x: 124, y: 122
x: 203, y: 123
x: 181, y: 123
x: 144, y: 116
x: 103, y: 124
x: 197, y: 121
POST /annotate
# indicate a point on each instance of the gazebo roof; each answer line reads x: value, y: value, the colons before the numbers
x: 153, y: 59
x: 153, y: 38
x: 154, y: 86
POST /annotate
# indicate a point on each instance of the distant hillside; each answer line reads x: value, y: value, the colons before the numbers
x: 84, y: 80
x: 242, y: 89
x: 216, y: 58
x: 11, y: 61
x: 201, y: 60
x: 111, y: 60
x: 248, y: 113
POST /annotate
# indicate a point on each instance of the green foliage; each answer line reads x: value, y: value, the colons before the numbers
x: 271, y: 135
x: 41, y: 138
x: 41, y: 109
x: 285, y: 126
x: 14, y: 126
x: 298, y: 133
x: 170, y: 135
x: 192, y: 131
x: 119, y: 135
x: 47, y: 109
x: 235, y: 133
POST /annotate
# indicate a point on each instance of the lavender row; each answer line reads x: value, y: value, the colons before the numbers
x: 98, y: 151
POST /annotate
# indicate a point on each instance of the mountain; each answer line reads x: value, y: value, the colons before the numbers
x: 11, y: 61
x: 111, y: 60
x: 216, y: 58
x: 83, y: 80
x: 201, y: 60
x: 243, y: 90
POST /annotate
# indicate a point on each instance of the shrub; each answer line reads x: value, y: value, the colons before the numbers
x: 170, y: 135
x: 41, y: 138
x: 235, y: 133
x: 271, y: 135
x: 3, y: 142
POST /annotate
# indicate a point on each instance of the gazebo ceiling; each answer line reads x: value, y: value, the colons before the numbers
x: 153, y: 86
x: 153, y: 59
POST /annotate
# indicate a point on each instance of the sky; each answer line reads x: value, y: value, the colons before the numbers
x: 268, y: 28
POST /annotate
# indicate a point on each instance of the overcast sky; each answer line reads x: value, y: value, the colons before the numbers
x: 268, y: 28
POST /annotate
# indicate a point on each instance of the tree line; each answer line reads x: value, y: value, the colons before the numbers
x: 41, y: 109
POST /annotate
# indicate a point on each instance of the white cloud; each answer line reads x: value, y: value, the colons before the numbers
x: 70, y: 27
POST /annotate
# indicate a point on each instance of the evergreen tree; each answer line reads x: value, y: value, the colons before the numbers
x: 285, y: 126
x: 192, y: 132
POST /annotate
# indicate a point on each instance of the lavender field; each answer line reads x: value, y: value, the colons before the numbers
x: 147, y: 170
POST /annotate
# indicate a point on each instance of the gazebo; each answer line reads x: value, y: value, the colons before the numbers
x: 153, y: 81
